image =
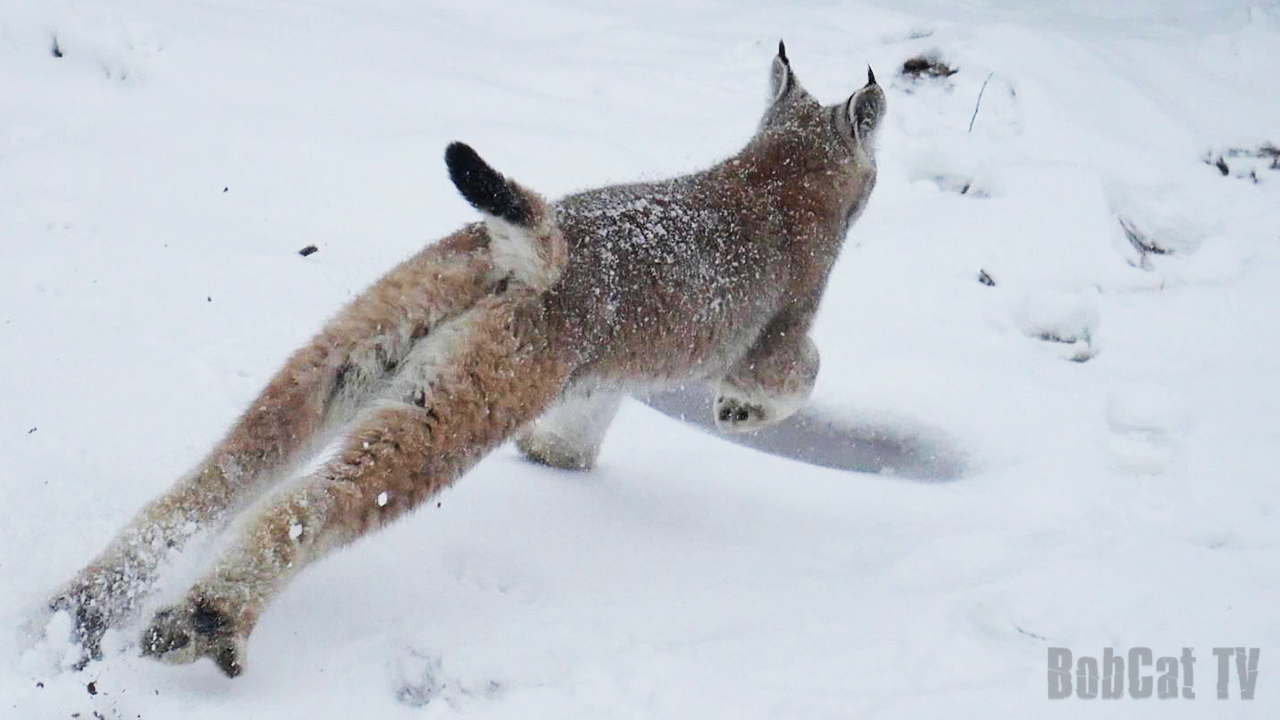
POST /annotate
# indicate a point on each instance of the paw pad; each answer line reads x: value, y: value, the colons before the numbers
x: 735, y: 416
x: 190, y: 631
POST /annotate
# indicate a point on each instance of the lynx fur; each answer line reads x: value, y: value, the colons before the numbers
x: 530, y: 325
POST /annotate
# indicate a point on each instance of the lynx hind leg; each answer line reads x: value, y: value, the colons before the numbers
x: 269, y: 436
x: 569, y: 435
x: 767, y: 390
x: 317, y: 390
x: 457, y: 396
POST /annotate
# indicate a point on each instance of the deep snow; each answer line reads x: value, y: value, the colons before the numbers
x: 158, y: 179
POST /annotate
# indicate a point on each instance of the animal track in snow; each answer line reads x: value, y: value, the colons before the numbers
x: 118, y: 45
x: 1066, y: 321
x: 419, y: 677
x: 1144, y: 424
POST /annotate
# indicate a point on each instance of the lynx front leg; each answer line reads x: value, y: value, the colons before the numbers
x: 568, y: 436
x: 769, y: 384
x: 458, y: 396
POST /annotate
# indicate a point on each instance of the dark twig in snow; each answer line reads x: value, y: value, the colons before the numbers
x: 1140, y: 241
x: 1029, y: 634
x: 979, y: 103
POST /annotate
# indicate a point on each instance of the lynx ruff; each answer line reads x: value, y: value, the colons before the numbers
x: 529, y: 325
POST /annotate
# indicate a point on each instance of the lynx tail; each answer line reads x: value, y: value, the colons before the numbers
x: 526, y: 243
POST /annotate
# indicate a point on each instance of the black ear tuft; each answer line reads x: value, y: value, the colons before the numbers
x: 780, y: 80
x: 871, y: 76
x: 485, y: 188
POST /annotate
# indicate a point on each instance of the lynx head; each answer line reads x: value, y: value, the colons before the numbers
x: 851, y: 124
x: 799, y: 135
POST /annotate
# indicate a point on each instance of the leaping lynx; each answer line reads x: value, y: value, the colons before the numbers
x: 530, y: 325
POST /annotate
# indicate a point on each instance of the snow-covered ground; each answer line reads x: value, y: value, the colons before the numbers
x: 1115, y: 410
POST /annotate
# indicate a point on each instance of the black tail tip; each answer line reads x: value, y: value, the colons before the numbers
x: 485, y: 188
x: 782, y: 53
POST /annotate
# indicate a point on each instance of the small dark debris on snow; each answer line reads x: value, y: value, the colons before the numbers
x: 1084, y: 351
x: 1051, y: 336
x: 40, y: 684
x: 958, y: 184
x: 209, y: 298
x: 308, y: 250
x: 32, y: 430
x: 225, y: 189
x: 925, y: 66
x: 55, y: 50
x: 985, y: 278
x: 92, y: 687
x: 1265, y: 151
x: 99, y: 715
x: 1273, y: 152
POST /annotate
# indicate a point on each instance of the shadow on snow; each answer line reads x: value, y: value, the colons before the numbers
x: 813, y: 437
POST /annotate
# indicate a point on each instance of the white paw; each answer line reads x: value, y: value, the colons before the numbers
x: 554, y: 451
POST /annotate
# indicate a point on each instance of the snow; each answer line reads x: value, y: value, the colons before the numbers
x: 1119, y: 488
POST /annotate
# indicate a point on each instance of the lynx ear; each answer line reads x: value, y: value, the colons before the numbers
x: 866, y: 107
x: 780, y: 77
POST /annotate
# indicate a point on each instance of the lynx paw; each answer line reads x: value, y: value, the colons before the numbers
x: 89, y: 621
x: 193, y: 629
x: 737, y: 416
x: 556, y: 452
x: 98, y: 599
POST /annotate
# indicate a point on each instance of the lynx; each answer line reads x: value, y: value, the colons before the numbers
x: 530, y: 325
